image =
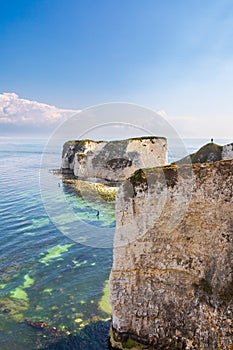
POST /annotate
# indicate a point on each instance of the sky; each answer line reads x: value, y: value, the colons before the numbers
x: 58, y: 57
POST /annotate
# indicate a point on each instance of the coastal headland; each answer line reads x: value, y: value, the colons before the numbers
x: 172, y: 275
x: 171, y: 284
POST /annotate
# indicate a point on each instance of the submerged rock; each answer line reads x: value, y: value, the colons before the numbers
x: 92, y: 190
x: 7, y: 311
x: 37, y: 324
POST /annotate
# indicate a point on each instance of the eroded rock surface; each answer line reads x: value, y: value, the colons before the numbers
x: 112, y: 160
x: 172, y: 283
x: 227, y: 152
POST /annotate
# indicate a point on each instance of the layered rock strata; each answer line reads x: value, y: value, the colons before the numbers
x: 172, y: 277
x: 112, y: 160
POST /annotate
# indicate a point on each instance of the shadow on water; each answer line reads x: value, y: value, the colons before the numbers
x: 92, y: 337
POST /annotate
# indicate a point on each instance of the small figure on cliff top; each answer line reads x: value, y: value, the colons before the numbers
x: 212, y: 140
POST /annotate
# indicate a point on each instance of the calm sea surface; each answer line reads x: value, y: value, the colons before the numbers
x: 44, y: 275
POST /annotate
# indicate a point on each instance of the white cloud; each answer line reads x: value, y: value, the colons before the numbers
x: 21, y: 112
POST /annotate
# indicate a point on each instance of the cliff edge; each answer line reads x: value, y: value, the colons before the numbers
x: 172, y: 275
x: 112, y: 160
x: 211, y: 152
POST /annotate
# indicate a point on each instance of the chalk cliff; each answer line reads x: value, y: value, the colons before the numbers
x: 227, y: 151
x: 112, y: 160
x: 172, y: 275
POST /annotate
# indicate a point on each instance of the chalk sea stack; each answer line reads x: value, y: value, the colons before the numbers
x: 112, y: 160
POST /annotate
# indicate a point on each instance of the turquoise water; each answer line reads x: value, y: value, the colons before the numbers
x: 44, y: 275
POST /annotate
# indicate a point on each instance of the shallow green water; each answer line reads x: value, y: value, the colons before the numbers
x: 44, y: 275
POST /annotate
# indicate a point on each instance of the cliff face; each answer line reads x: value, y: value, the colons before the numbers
x: 113, y: 160
x: 227, y: 152
x: 172, y: 283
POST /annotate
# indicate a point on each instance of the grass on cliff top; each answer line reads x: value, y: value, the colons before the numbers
x: 211, y: 152
x: 83, y: 141
x: 120, y: 140
x: 148, y: 138
x: 141, y: 175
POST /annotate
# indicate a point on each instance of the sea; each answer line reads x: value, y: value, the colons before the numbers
x: 54, y: 289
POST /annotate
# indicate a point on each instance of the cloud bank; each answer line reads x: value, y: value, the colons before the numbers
x: 20, y: 116
x: 19, y: 112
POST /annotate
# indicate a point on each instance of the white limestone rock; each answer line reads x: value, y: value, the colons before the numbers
x: 113, y: 160
x: 227, y: 152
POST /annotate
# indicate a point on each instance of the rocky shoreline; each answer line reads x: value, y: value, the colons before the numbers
x: 92, y: 190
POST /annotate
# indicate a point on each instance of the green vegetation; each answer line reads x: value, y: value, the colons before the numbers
x: 138, y: 177
x: 104, y: 301
x: 207, y: 153
x: 48, y: 290
x: 129, y: 343
x: 146, y: 176
x: 211, y: 152
x: 83, y: 141
x: 148, y: 138
x: 37, y: 223
x: 78, y: 264
x: 96, y: 191
x: 28, y: 281
x: 19, y: 292
x: 54, y: 253
x: 71, y: 142
x: 17, y: 307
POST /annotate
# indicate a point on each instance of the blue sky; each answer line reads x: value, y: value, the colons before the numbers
x: 175, y: 56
